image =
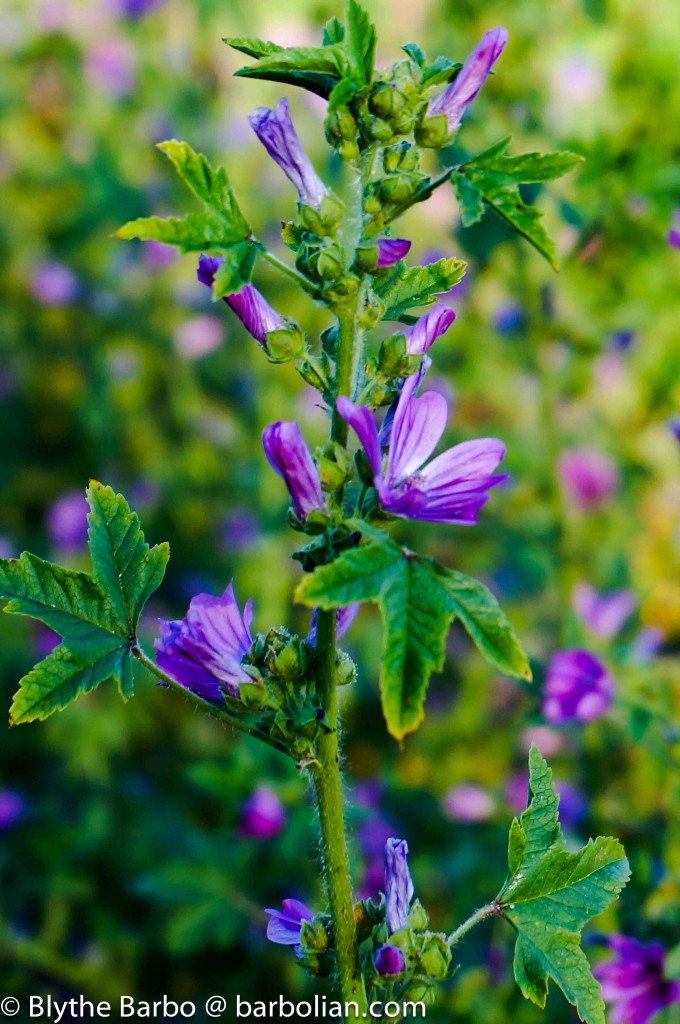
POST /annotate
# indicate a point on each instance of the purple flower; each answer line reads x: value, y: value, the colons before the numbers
x: 450, y: 489
x: 135, y: 8
x: 588, y: 477
x: 250, y: 306
x: 54, y: 284
x: 203, y: 651
x: 277, y: 134
x: 646, y: 645
x: 509, y: 318
x: 285, y: 926
x: 428, y: 328
x: 674, y: 426
x: 11, y: 807
x: 110, y: 66
x: 468, y: 803
x: 674, y: 231
x: 157, y: 256
x: 344, y: 617
x: 263, y: 815
x: 603, y: 614
x: 67, y: 520
x: 470, y: 79
x: 573, y: 804
x: 577, y: 687
x: 288, y: 454
x: 398, y: 885
x: 389, y: 960
x: 634, y: 982
x: 391, y: 250
x: 198, y: 336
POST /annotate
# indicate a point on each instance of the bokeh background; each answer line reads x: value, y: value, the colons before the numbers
x: 139, y: 843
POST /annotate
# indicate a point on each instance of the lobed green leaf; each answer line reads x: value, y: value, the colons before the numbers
x: 409, y: 287
x: 360, y: 43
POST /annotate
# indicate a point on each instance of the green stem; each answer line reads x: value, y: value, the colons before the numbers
x: 290, y: 272
x: 490, y: 910
x: 326, y: 773
x: 213, y: 709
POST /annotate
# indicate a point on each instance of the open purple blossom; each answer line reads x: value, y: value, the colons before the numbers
x: 587, y: 476
x: 674, y: 230
x: 203, y: 651
x: 276, y: 132
x: 450, y: 489
x: 344, y: 617
x: 603, y: 614
x: 250, y: 306
x: 470, y: 79
x: 263, y: 815
x: 389, y: 960
x: 398, y: 885
x: 285, y: 926
x: 577, y: 687
x: 289, y: 456
x: 634, y: 982
x: 423, y: 334
x: 391, y: 250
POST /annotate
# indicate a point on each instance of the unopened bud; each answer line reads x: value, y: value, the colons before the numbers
x: 392, y: 354
x: 397, y: 188
x: 366, y: 258
x: 387, y: 101
x: 340, y: 124
x: 433, y: 132
x: 436, y: 957
x: 281, y: 346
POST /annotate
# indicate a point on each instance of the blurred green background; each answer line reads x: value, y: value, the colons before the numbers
x: 126, y: 863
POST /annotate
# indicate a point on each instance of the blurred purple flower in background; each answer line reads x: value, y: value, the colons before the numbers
x: 203, y: 651
x: 573, y: 803
x: 276, y: 132
x: 634, y: 981
x: 588, y: 477
x: 468, y: 803
x: 289, y: 456
x: 239, y: 530
x: 157, y: 256
x: 250, y: 306
x: 135, y: 9
x: 344, y: 617
x: 45, y: 640
x: 11, y: 807
x: 263, y: 815
x: 674, y: 425
x: 54, y: 284
x: 509, y: 318
x: 198, y: 337
x: 603, y: 614
x: 423, y: 334
x: 389, y: 960
x: 67, y: 520
x: 620, y: 341
x: 285, y: 926
x: 646, y: 645
x: 548, y: 740
x: 110, y: 66
x: 470, y: 79
x: 391, y: 250
x: 398, y: 885
x: 577, y: 687
x: 674, y: 231
x: 450, y: 489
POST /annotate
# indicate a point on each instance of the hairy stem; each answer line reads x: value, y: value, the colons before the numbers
x: 489, y: 910
x: 291, y: 272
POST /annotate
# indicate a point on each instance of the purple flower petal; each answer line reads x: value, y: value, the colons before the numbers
x: 425, y: 332
x: 470, y: 79
x: 344, y: 617
x: 389, y: 960
x: 391, y: 250
x: 275, y: 130
x: 604, y: 614
x: 577, y: 688
x: 263, y: 815
x: 361, y: 421
x: 250, y: 306
x: 634, y: 982
x: 418, y: 425
x: 288, y: 454
x: 398, y: 885
x: 285, y: 926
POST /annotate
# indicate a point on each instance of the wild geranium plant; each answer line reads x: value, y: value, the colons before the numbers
x: 346, y: 500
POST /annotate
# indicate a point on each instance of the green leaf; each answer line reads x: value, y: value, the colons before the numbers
x: 95, y: 614
x: 441, y: 71
x: 333, y: 32
x: 418, y: 599
x: 315, y: 68
x: 552, y: 893
x: 210, y: 185
x: 360, y: 43
x: 493, y: 178
x: 125, y: 567
x: 236, y: 268
x: 415, y: 53
x: 418, y: 286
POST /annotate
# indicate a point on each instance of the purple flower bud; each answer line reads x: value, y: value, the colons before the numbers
x: 285, y: 926
x: 470, y: 79
x: 203, y: 651
x: 250, y: 306
x: 389, y: 961
x: 391, y: 250
x: 344, y: 618
x: 634, y: 982
x: 277, y: 134
x: 674, y: 232
x: 577, y: 687
x: 468, y: 803
x: 398, y: 885
x: 263, y: 815
x: 11, y: 807
x: 67, y: 520
x: 288, y: 454
x: 54, y: 284
x: 588, y: 477
x: 603, y: 614
x: 428, y: 328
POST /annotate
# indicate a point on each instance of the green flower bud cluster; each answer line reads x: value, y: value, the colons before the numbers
x: 315, y: 952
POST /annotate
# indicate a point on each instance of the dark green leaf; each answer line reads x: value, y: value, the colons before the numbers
x: 333, y: 32
x: 236, y: 268
x: 342, y: 94
x: 415, y: 53
x: 440, y: 72
x: 360, y: 42
x: 551, y: 894
x: 257, y: 48
x: 418, y: 286
x: 316, y: 68
x: 418, y: 600
x: 471, y: 200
